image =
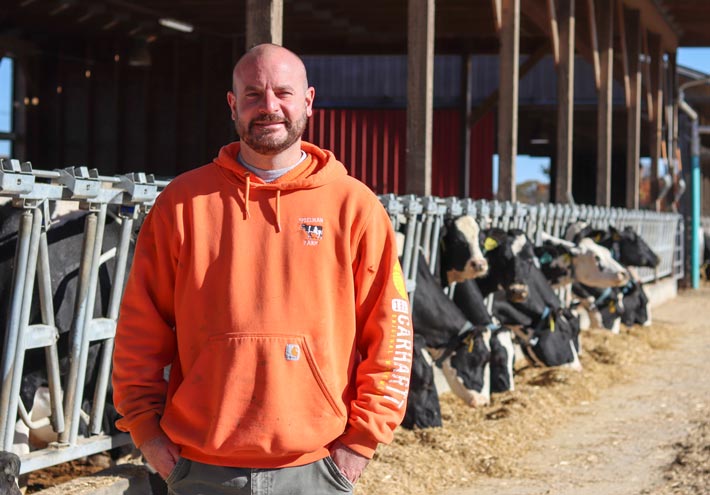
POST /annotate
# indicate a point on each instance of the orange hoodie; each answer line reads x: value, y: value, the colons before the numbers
x: 281, y: 308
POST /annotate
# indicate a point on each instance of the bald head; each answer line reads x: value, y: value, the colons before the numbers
x: 268, y: 54
x: 270, y: 104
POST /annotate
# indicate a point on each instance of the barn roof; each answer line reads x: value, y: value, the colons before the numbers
x: 321, y: 26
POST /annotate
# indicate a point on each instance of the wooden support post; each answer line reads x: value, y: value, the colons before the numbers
x: 656, y: 124
x: 496, y: 6
x: 632, y: 20
x: 466, y: 101
x: 595, y: 40
x: 554, y: 30
x: 420, y: 95
x: 605, y: 23
x: 565, y: 102
x: 264, y: 22
x: 508, y: 99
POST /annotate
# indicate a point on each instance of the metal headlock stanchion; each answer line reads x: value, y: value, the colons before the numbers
x: 32, y: 190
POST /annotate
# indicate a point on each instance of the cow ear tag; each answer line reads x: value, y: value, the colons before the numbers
x: 546, y: 259
x: 490, y: 244
x: 552, y: 324
x: 567, y: 258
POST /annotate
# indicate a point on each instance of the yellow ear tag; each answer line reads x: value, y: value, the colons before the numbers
x: 470, y: 344
x: 490, y: 244
x: 567, y: 258
x: 612, y: 307
x: 552, y: 324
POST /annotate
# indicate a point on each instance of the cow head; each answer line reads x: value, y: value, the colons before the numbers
x: 596, y: 267
x: 556, y: 262
x: 467, y: 369
x: 423, y: 409
x: 460, y: 253
x: 552, y: 342
x: 630, y: 249
x: 502, y: 360
x: 510, y: 257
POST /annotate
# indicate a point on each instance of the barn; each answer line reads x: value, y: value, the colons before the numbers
x: 428, y: 102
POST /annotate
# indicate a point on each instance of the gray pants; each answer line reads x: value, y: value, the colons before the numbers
x: 319, y: 478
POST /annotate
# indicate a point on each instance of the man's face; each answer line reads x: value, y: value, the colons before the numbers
x: 270, y: 104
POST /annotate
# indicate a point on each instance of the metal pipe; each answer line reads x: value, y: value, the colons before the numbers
x: 27, y: 289
x: 694, y: 184
x: 99, y: 403
x: 77, y: 329
x: 88, y: 317
x: 44, y: 278
x: 7, y: 418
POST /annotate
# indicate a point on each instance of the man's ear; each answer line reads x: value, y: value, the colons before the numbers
x: 232, y: 103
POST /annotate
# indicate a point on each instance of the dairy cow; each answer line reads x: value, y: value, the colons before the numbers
x: 510, y: 258
x: 470, y: 301
x: 458, y: 346
x: 423, y: 409
x: 10, y: 469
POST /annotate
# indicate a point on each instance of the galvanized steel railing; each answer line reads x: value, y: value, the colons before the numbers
x: 31, y: 192
x: 662, y: 231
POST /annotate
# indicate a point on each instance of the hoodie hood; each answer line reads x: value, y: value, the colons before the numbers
x: 318, y: 169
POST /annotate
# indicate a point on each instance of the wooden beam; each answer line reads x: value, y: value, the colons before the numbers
x: 624, y: 50
x: 554, y: 30
x: 420, y: 95
x: 655, y: 20
x: 632, y: 20
x: 496, y: 4
x: 646, y: 80
x: 594, y: 40
x: 605, y: 23
x: 565, y: 102
x: 656, y: 125
x: 264, y: 22
x: 508, y: 99
x: 490, y: 101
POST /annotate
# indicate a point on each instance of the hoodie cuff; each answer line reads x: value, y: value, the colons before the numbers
x: 359, y: 441
x: 142, y: 429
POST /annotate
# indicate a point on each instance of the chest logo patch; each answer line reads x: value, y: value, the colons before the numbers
x: 312, y: 230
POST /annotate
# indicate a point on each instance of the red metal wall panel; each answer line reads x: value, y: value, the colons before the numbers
x: 371, y: 145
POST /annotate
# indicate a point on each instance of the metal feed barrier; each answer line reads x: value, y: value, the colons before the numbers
x: 420, y: 219
x: 33, y: 192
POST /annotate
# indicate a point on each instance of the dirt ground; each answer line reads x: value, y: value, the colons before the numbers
x: 635, y: 421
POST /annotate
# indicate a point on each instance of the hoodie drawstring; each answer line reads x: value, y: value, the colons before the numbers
x: 247, y: 214
x: 278, y: 210
x: 246, y: 196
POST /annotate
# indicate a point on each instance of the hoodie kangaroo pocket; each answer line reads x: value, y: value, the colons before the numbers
x: 254, y: 393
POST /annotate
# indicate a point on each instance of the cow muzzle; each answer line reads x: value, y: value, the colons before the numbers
x: 517, y: 293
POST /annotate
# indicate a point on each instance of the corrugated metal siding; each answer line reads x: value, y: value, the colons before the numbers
x: 371, y: 145
x: 380, y: 81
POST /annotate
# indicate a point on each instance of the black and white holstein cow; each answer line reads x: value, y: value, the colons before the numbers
x: 628, y: 303
x: 524, y: 300
x: 10, y: 468
x: 456, y: 345
x: 442, y: 331
x: 469, y: 299
x: 64, y: 240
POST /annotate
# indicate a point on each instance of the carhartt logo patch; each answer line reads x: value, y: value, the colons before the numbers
x: 312, y: 229
x: 293, y: 352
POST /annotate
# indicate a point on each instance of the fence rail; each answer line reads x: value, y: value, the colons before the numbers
x: 32, y: 194
x: 423, y: 216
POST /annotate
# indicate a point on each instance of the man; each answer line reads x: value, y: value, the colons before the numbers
x: 268, y: 281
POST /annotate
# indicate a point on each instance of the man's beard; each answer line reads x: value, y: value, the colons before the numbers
x: 267, y: 143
